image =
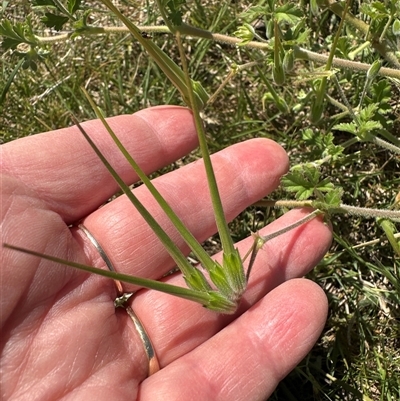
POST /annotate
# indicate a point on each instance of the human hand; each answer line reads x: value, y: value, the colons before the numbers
x: 61, y: 336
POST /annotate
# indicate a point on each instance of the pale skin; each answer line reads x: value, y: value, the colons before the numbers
x: 61, y: 337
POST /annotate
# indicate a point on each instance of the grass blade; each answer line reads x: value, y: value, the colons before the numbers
x: 210, y: 299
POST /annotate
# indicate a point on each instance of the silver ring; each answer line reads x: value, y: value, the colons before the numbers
x: 121, y: 301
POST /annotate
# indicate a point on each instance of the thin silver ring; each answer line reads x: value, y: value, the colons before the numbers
x: 121, y: 301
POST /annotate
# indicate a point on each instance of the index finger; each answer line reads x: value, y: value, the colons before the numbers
x: 63, y: 170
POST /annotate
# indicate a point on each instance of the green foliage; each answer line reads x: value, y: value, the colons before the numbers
x: 60, y: 12
x: 381, y: 95
x: 328, y: 140
x: 365, y: 125
x: 288, y: 13
x: 54, y: 21
x: 17, y: 34
x: 333, y: 198
x: 175, y: 11
x: 396, y: 27
x: 245, y: 32
x: 390, y: 229
x: 322, y: 144
x: 305, y: 181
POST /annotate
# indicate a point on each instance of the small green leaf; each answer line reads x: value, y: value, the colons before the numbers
x: 314, y: 8
x: 371, y: 125
x: 288, y: 60
x: 175, y: 11
x: 43, y: 3
x: 368, y: 113
x: 196, y: 280
x: 334, y: 197
x: 246, y: 33
x: 278, y: 74
x: 389, y: 228
x: 288, y: 13
x: 347, y: 127
x: 81, y: 25
x: 229, y: 277
x: 325, y: 185
x: 373, y: 71
x: 282, y: 105
x: 365, y: 131
x: 381, y: 91
x: 396, y: 27
x: 376, y: 10
x: 16, y: 34
x: 234, y: 272
x: 9, y: 81
x: 334, y: 151
x: 305, y: 181
x: 73, y: 5
x: 218, y: 277
x: 303, y: 37
x: 54, y: 21
x: 29, y: 64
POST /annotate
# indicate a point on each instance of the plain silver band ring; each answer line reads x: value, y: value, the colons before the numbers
x: 154, y: 365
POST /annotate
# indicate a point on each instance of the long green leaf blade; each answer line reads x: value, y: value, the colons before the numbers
x: 210, y: 299
x: 186, y: 268
x: 189, y: 238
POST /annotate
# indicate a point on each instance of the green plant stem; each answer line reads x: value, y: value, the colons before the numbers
x: 173, y: 250
x: 359, y: 49
x: 189, y: 238
x: 292, y: 226
x: 389, y: 229
x: 184, y: 29
x: 9, y: 81
x: 317, y: 109
x: 369, y: 212
x: 339, y: 105
x: 61, y: 7
x: 299, y: 53
x: 235, y: 69
x: 192, y: 295
x: 374, y: 241
x: 260, y: 240
x: 343, y: 208
x: 344, y: 99
x: 222, y: 225
x: 386, y: 145
x: 304, y: 54
x: 336, y: 39
x: 164, y: 62
x: 349, y: 142
x: 364, y: 28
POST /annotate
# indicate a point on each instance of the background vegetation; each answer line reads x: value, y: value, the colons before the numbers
x: 358, y: 354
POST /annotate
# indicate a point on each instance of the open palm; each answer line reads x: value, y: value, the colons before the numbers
x: 62, y: 338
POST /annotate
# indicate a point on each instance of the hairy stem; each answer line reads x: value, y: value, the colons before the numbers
x: 364, y: 28
x: 343, y: 208
x: 304, y: 54
x: 300, y: 53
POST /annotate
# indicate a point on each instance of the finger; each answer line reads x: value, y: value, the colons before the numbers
x: 245, y: 173
x: 178, y: 326
x: 64, y: 171
x: 248, y: 358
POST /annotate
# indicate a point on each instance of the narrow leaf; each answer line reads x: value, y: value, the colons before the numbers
x: 196, y: 296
